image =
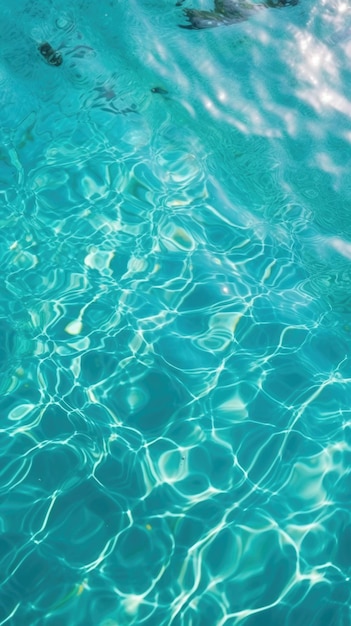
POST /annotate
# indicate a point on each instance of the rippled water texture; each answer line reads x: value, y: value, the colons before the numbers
x: 175, y: 297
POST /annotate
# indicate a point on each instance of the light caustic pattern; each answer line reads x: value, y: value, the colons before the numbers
x: 175, y: 421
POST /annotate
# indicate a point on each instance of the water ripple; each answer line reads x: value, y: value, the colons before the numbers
x: 174, y: 314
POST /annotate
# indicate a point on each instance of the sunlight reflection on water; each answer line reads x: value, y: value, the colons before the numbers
x: 175, y: 317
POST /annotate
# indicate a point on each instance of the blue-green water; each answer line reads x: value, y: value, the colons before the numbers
x: 175, y: 298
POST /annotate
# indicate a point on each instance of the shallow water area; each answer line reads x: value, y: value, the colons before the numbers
x: 174, y: 313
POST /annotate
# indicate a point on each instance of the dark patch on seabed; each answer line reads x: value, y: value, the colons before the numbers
x: 53, y: 57
x: 227, y: 12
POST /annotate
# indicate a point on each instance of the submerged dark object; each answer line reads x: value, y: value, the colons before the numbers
x: 52, y: 56
x: 229, y: 12
x: 159, y: 90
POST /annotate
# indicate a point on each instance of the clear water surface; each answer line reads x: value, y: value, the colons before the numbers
x: 175, y: 315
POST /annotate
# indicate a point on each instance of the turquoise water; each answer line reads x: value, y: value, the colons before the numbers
x: 175, y: 297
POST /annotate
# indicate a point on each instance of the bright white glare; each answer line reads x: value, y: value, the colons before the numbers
x: 315, y: 60
x: 343, y: 247
x: 343, y: 7
x: 222, y: 96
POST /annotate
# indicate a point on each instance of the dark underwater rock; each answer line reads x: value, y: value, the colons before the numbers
x: 50, y: 55
x: 159, y: 90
